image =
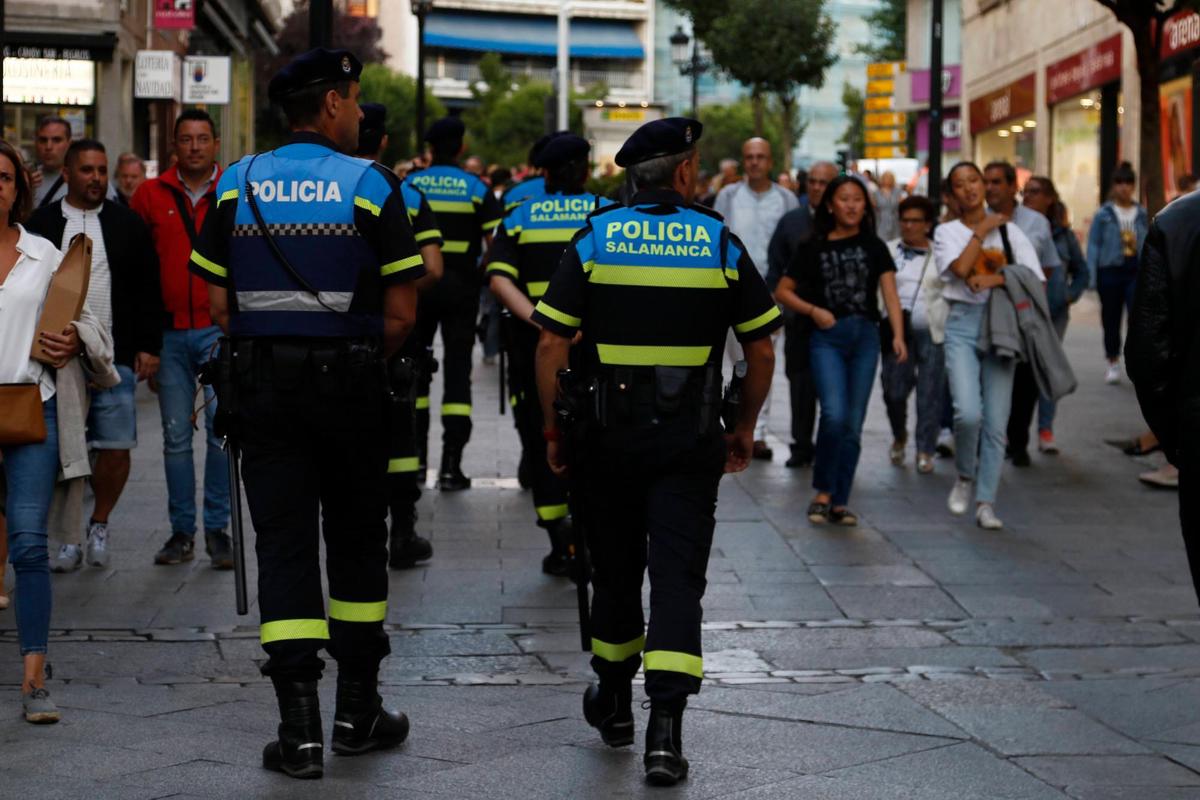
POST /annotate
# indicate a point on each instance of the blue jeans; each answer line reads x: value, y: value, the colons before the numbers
x: 31, y: 471
x: 981, y: 388
x: 1115, y: 287
x: 925, y: 371
x: 843, y: 366
x: 183, y: 353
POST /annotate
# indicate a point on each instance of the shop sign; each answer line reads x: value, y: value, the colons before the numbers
x: 879, y: 103
x: 886, y: 119
x: 1009, y: 102
x: 884, y: 136
x: 51, y: 82
x: 1086, y: 70
x: 175, y: 14
x: 951, y: 84
x: 951, y: 131
x: 156, y: 75
x: 623, y: 114
x: 885, y: 151
x: 206, y: 80
x: 1181, y: 32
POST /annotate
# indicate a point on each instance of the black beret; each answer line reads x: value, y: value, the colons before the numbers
x: 662, y: 137
x: 315, y: 66
x: 446, y: 129
x: 562, y: 149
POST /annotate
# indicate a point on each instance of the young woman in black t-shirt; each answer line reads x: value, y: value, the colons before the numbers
x: 834, y: 280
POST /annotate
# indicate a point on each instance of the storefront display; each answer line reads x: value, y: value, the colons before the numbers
x: 1003, y: 125
x: 1180, y: 40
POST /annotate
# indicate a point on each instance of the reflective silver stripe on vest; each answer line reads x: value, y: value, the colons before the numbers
x: 293, y: 301
x: 298, y: 229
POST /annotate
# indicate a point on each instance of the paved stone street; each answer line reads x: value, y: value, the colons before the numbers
x: 913, y: 657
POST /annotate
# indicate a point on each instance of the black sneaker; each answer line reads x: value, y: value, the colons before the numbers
x: 220, y: 549
x: 179, y: 548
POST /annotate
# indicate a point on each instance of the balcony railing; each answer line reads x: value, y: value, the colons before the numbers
x: 582, y: 78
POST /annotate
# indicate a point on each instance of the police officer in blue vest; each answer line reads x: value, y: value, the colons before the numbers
x: 653, y: 287
x: 524, y: 255
x: 534, y: 183
x: 311, y: 263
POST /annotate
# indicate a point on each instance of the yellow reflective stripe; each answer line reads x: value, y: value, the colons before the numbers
x: 500, y: 266
x: 347, y: 611
x: 432, y: 233
x: 669, y: 661
x: 759, y: 321
x: 366, y: 204
x: 515, y: 229
x: 541, y: 235
x: 452, y: 207
x: 588, y: 266
x: 537, y: 288
x: 556, y: 315
x: 512, y: 400
x: 412, y: 212
x: 491, y: 224
x: 476, y: 198
x: 213, y: 267
x: 453, y: 246
x: 618, y: 652
x: 396, y: 465
x: 653, y: 355
x: 731, y: 273
x: 456, y: 409
x: 422, y: 403
x: 401, y: 265
x: 228, y: 194
x: 286, y: 629
x: 548, y: 513
x: 671, y: 277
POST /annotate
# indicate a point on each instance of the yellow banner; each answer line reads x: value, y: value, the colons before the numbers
x: 891, y: 119
x: 884, y: 136
x: 881, y: 86
x: 879, y: 103
x: 886, y: 69
x: 885, y: 151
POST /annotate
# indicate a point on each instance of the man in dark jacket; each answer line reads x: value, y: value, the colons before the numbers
x: 1161, y: 355
x: 124, y: 293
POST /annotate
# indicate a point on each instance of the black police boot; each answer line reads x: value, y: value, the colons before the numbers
x: 450, y: 477
x: 299, y: 750
x: 557, y: 562
x: 609, y: 710
x: 361, y: 723
x: 405, y: 548
x: 665, y: 764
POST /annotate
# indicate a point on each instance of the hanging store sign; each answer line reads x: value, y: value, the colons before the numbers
x: 1084, y: 71
x: 919, y: 87
x: 175, y: 14
x: 51, y: 82
x: 1009, y: 102
x: 206, y: 80
x: 1181, y: 32
x: 886, y: 131
x: 156, y: 75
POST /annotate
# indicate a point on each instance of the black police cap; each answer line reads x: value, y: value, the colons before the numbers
x: 540, y: 144
x: 563, y: 149
x: 315, y: 66
x: 662, y: 137
x: 446, y: 129
x: 374, y: 118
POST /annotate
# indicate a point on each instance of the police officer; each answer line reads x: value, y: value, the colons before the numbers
x: 653, y: 287
x: 311, y: 263
x: 535, y: 183
x: 523, y: 257
x: 467, y: 212
x: 411, y: 363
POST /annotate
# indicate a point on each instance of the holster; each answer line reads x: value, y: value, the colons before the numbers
x: 640, y: 396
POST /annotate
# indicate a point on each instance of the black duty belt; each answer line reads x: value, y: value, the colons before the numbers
x: 330, y: 366
x: 639, y: 396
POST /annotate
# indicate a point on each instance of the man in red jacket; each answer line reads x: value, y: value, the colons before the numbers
x: 174, y: 206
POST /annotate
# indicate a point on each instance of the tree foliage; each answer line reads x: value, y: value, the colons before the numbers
x: 855, y: 102
x: 727, y: 127
x: 889, y: 24
x: 398, y: 92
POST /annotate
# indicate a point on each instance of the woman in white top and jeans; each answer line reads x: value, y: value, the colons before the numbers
x: 967, y: 250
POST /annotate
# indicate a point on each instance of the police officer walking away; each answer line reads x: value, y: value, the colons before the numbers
x: 467, y: 212
x: 534, y: 183
x: 524, y: 254
x: 654, y: 287
x: 410, y: 366
x: 311, y: 264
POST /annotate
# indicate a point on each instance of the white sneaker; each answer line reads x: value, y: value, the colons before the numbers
x: 1165, y: 477
x: 69, y: 558
x: 985, y: 517
x: 960, y: 497
x: 97, y: 544
x: 1112, y: 375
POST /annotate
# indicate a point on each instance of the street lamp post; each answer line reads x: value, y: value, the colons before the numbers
x: 689, y: 64
x: 935, y: 105
x: 320, y: 23
x: 420, y: 8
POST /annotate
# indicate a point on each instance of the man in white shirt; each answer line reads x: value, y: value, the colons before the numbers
x: 752, y: 208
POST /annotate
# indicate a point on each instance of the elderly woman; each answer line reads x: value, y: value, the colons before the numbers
x: 32, y: 470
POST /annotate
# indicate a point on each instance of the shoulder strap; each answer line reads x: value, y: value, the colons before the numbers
x: 1008, y: 251
x: 48, y: 198
x: 185, y: 213
x: 921, y: 280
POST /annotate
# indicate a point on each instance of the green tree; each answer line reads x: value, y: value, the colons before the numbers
x: 726, y: 127
x: 855, y: 102
x: 889, y: 23
x: 398, y: 92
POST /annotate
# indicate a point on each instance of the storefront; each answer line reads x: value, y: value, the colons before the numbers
x: 1176, y: 98
x: 951, y: 116
x: 1003, y: 125
x: 51, y: 75
x: 1083, y: 92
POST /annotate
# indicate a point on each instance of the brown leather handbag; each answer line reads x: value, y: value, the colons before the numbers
x: 21, y: 417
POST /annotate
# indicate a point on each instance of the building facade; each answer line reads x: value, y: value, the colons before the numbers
x: 913, y: 88
x: 671, y: 87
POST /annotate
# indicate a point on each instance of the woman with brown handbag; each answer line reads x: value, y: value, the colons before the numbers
x: 30, y: 417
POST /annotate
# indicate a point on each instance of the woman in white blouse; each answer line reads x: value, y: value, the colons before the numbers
x: 27, y: 263
x: 969, y: 251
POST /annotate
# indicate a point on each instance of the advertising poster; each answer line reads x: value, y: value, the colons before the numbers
x: 174, y: 14
x: 1175, y: 107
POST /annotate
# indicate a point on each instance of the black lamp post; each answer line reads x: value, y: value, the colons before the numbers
x: 320, y: 23
x: 689, y: 64
x: 420, y: 8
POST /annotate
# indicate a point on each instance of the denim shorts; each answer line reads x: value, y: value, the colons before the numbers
x: 112, y: 418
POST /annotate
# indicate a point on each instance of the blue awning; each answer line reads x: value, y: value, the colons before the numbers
x: 521, y: 34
